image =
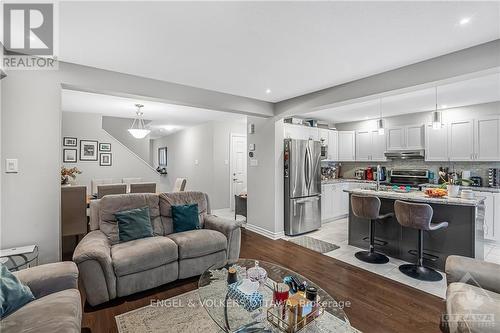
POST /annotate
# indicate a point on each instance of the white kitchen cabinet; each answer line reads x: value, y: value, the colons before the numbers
x: 395, y: 138
x: 405, y: 137
x: 491, y: 215
x: 363, y: 145
x: 333, y: 142
x: 301, y: 132
x: 487, y: 139
x: 414, y: 137
x: 461, y: 140
x: 346, y: 145
x: 370, y: 146
x: 334, y: 201
x: 436, y: 143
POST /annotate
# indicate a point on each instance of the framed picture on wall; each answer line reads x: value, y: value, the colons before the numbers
x: 105, y: 159
x: 105, y: 147
x: 69, y: 155
x: 69, y: 142
x: 88, y: 150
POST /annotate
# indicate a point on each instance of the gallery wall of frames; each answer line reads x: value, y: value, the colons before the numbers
x: 87, y: 151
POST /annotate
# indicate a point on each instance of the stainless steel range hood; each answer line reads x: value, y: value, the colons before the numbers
x: 405, y: 154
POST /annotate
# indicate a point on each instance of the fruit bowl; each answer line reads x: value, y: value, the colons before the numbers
x: 435, y: 192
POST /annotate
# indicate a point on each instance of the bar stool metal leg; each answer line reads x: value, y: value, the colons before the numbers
x: 419, y: 271
x: 371, y: 256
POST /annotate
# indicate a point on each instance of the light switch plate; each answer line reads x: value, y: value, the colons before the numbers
x: 251, y: 147
x: 11, y: 165
x: 254, y: 162
x: 196, y: 162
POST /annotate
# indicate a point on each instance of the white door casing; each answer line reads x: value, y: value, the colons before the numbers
x: 238, y: 166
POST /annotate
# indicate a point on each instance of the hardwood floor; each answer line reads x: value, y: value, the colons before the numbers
x: 377, y: 303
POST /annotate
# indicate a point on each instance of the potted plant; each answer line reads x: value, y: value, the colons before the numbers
x: 68, y: 174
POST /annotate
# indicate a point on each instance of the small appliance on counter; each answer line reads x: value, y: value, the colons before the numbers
x: 494, y: 177
x: 369, y: 174
x: 476, y: 181
x: 359, y: 174
x: 409, y: 177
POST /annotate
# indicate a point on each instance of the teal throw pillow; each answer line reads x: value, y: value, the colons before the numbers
x: 13, y: 293
x: 134, y: 224
x: 185, y: 217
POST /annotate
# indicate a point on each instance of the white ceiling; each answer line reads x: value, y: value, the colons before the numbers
x: 479, y: 90
x: 244, y: 48
x: 165, y: 118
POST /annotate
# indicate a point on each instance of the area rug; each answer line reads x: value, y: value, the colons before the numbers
x: 184, y: 313
x: 314, y: 244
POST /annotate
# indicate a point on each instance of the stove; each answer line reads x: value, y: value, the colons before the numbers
x: 408, y: 177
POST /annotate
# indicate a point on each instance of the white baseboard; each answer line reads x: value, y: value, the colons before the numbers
x: 264, y: 232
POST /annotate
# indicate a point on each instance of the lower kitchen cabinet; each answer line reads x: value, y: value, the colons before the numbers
x: 334, y: 201
x: 491, y: 215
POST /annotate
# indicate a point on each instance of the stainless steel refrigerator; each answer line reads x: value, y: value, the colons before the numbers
x: 302, y: 176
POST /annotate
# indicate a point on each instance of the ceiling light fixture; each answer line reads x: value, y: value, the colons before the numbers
x: 380, y: 121
x: 437, y: 116
x: 268, y: 91
x: 139, y: 131
x: 465, y: 20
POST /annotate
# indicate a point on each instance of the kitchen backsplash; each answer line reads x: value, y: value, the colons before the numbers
x: 477, y: 168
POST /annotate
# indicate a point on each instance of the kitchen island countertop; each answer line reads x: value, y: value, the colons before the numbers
x: 418, y: 196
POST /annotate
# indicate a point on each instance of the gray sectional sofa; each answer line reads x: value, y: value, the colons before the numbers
x: 57, y: 307
x: 110, y: 269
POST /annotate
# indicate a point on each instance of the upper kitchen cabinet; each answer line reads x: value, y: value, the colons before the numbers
x: 436, y: 143
x: 370, y: 146
x: 405, y: 137
x: 301, y: 132
x: 346, y: 145
x: 487, y: 139
x: 333, y: 145
x: 461, y: 140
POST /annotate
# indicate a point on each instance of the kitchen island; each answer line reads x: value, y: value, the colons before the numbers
x: 463, y: 236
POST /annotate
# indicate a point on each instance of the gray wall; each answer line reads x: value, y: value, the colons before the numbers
x: 209, y: 144
x: 118, y: 127
x: 125, y: 163
x: 31, y: 132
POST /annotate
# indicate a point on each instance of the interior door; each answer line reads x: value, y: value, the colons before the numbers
x: 238, y: 168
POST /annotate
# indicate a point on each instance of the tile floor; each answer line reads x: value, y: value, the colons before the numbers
x: 336, y: 233
x: 227, y: 213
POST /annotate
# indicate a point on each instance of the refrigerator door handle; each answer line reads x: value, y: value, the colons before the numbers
x: 311, y: 171
x: 302, y: 201
x: 307, y: 168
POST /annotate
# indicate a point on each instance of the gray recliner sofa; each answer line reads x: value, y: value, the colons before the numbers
x: 472, y: 297
x: 110, y: 269
x: 57, y: 307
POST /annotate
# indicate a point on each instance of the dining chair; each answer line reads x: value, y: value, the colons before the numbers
x: 103, y: 190
x: 73, y: 210
x: 129, y: 181
x: 143, y: 188
x: 95, y: 182
x: 180, y: 185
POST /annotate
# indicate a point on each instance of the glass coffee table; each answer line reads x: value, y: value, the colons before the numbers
x: 231, y: 317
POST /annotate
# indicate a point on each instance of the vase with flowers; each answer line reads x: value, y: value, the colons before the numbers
x: 68, y: 174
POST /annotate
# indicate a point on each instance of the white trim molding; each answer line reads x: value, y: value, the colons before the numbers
x: 265, y: 232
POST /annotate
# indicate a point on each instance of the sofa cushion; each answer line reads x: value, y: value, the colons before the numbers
x: 185, y: 217
x: 13, y: 293
x: 59, y: 312
x: 134, y: 224
x: 142, y: 254
x: 167, y: 200
x: 111, y: 204
x: 198, y: 243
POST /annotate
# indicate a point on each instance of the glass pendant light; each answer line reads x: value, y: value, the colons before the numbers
x: 437, y: 116
x: 380, y: 121
x: 138, y: 129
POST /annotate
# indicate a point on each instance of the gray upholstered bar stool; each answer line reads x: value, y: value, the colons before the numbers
x: 368, y: 207
x: 418, y: 216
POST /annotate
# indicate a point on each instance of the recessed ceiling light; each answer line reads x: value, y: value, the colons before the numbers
x: 465, y: 20
x: 268, y: 91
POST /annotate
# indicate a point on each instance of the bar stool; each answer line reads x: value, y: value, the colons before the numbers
x: 368, y: 207
x: 418, y: 216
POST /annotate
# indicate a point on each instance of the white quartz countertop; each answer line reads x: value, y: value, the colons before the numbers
x: 347, y: 180
x: 418, y: 196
